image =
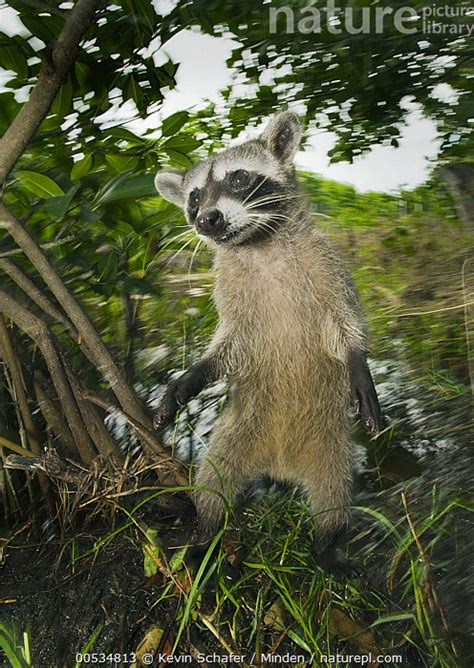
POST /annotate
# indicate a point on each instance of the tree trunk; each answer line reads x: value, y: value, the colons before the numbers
x: 459, y: 177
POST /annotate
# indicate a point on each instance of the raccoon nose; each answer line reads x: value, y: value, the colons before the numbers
x: 211, y: 221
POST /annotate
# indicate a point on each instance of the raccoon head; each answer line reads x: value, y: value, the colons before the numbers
x: 243, y: 193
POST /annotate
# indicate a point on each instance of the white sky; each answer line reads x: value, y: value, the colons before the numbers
x: 202, y: 73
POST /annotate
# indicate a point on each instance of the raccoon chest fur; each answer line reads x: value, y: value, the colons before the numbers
x: 269, y: 309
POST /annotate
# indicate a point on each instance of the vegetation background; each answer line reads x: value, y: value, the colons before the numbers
x: 102, y: 294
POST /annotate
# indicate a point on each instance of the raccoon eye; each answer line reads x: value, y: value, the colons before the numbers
x: 193, y: 202
x: 239, y: 180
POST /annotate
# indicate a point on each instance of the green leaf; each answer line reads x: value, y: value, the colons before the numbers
x: 81, y: 168
x: 134, y: 91
x: 173, y: 123
x: 83, y: 75
x: 62, y: 104
x: 122, y: 163
x: 145, y: 13
x: 177, y: 560
x: 179, y: 159
x: 150, y: 548
x: 57, y: 207
x: 46, y: 27
x: 141, y: 286
x: 123, y: 133
x: 8, y: 109
x: 166, y: 74
x: 181, y: 143
x: 39, y: 184
x: 108, y: 266
x: 124, y: 185
x: 12, y: 58
x: 393, y: 618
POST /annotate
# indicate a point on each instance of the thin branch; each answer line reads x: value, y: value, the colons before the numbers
x: 95, y: 426
x: 49, y: 463
x: 51, y: 76
x: 37, y: 330
x: 145, y: 434
x: 54, y: 418
x: 47, y: 246
x: 5, y: 443
x: 33, y: 292
x: 7, y: 353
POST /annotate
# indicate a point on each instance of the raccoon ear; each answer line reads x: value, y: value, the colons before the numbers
x: 282, y: 135
x: 169, y: 185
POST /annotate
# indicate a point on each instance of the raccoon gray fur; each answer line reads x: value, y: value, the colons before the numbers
x: 290, y: 337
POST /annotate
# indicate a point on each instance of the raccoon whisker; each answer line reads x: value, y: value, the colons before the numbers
x: 259, y: 224
x: 267, y: 216
x: 178, y: 236
x: 180, y: 250
x: 255, y: 189
x: 262, y: 221
x: 270, y: 199
x: 198, y: 246
x: 281, y: 215
x: 270, y: 215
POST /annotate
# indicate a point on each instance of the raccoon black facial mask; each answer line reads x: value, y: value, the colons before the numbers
x: 243, y: 193
x: 290, y: 337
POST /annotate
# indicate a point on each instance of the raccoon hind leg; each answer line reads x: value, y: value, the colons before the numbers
x: 227, y: 466
x: 328, y: 484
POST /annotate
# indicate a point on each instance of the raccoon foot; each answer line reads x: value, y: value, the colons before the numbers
x: 230, y: 566
x: 333, y: 561
x: 197, y: 550
x: 329, y: 557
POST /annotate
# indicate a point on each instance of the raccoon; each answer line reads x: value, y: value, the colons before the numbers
x: 290, y: 335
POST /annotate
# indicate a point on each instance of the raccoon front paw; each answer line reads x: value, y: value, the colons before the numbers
x: 363, y: 392
x: 167, y: 410
x: 367, y: 405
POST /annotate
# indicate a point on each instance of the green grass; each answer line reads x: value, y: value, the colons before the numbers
x: 279, y: 600
x: 17, y: 652
x: 283, y: 601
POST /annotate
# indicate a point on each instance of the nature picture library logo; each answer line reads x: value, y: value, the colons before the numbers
x: 317, y: 17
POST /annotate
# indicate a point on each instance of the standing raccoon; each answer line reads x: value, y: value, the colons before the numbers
x: 290, y: 337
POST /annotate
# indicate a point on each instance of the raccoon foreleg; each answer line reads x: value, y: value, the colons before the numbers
x: 363, y: 392
x: 184, y: 388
